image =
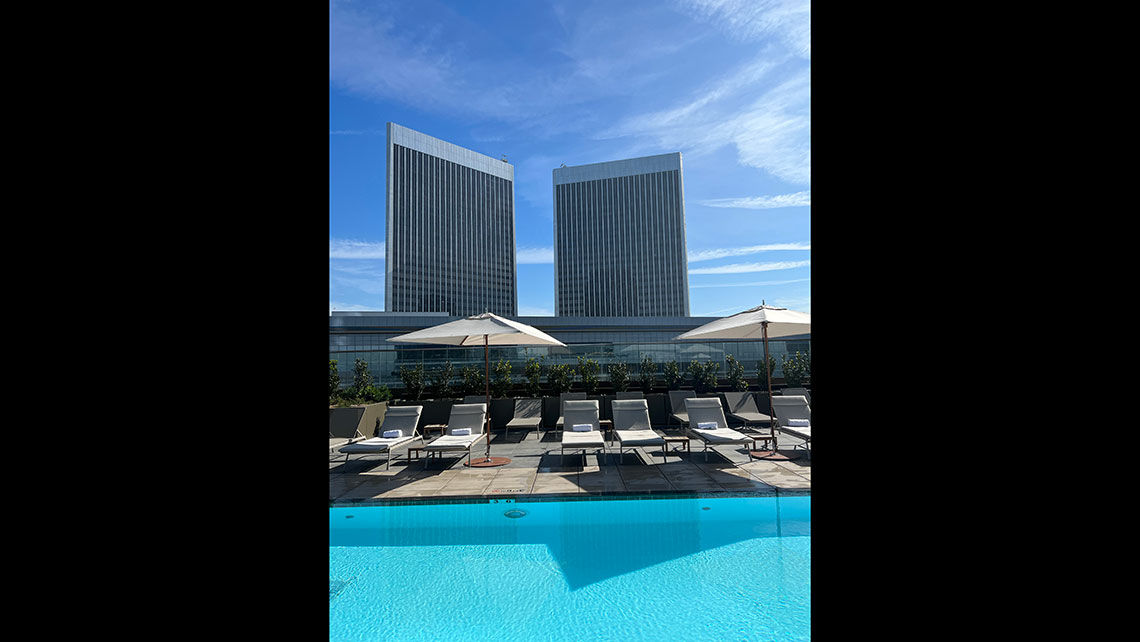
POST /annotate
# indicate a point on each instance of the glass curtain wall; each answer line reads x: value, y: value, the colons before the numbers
x: 385, y: 361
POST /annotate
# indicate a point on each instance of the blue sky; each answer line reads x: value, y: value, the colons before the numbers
x: 725, y: 82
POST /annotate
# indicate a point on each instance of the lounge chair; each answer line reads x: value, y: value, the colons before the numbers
x: 562, y: 398
x: 470, y: 416
x: 475, y: 399
x: 631, y: 395
x: 709, y: 410
x: 742, y: 406
x: 631, y: 424
x: 528, y: 414
x: 791, y: 407
x: 797, y: 392
x: 338, y: 440
x: 677, y: 405
x: 402, y: 418
x: 581, y: 412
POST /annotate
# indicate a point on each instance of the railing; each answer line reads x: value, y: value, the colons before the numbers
x: 385, y: 362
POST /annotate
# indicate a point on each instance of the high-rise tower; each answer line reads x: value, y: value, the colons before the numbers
x: 450, y: 228
x: 619, y: 239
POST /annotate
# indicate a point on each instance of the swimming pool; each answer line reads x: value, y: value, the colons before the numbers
x: 720, y: 568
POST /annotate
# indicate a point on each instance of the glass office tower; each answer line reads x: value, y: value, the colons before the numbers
x: 450, y: 228
x: 619, y: 239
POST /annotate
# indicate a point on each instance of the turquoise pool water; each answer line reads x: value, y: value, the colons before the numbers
x: 664, y: 569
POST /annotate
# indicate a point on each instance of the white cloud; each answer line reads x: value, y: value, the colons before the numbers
x: 338, y: 306
x: 769, y: 123
x: 524, y: 255
x: 534, y: 311
x: 751, y: 20
x: 739, y: 268
x: 707, y: 255
x: 798, y: 199
x: 350, y: 249
x: 749, y: 284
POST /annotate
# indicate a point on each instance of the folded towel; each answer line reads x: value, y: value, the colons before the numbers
x: 804, y: 423
x: 393, y: 433
x: 707, y: 425
x: 461, y: 431
x: 581, y: 427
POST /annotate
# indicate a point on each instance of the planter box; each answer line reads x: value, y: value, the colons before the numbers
x: 345, y: 422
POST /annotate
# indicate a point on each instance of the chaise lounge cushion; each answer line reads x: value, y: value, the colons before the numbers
x: 589, y: 438
x: 376, y: 444
x: 639, y: 438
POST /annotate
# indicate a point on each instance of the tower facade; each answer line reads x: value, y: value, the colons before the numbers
x: 619, y: 239
x: 450, y: 228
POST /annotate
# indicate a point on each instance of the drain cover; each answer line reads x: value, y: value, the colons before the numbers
x: 335, y: 587
x: 515, y: 513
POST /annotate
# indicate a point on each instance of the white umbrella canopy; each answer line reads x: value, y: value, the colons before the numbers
x: 487, y: 330
x: 762, y: 321
x: 749, y: 324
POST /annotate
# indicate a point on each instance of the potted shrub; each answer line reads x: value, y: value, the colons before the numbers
x: 533, y: 370
x: 647, y: 371
x: 735, y: 374
x: 441, y: 381
x: 360, y: 408
x: 334, y: 382
x: 473, y: 381
x: 673, y: 375
x: 619, y: 376
x: 561, y: 377
x: 413, y: 379
x: 797, y: 369
x: 588, y: 371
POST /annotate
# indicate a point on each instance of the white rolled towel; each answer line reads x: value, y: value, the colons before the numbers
x: 707, y: 425
x: 581, y: 427
x: 388, y: 434
x: 802, y: 423
x: 461, y: 431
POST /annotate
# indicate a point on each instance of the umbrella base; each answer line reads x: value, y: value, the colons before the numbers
x: 485, y: 462
x: 772, y: 455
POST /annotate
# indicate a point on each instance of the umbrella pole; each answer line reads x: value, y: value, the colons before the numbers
x: 487, y: 392
x: 775, y: 454
x: 487, y: 460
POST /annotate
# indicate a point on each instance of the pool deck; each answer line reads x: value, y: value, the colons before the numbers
x: 535, y: 470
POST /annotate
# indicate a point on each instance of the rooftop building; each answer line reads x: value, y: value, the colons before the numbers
x: 450, y: 228
x: 619, y: 239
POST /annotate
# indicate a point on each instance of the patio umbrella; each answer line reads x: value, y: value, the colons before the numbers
x: 763, y: 321
x: 487, y: 330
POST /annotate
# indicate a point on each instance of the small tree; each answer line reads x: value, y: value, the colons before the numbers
x: 473, y: 380
x: 413, y: 379
x: 619, y: 376
x: 736, y: 374
x: 441, y: 380
x: 673, y: 375
x: 376, y: 394
x: 797, y: 368
x: 694, y: 372
x: 708, y: 376
x: 588, y: 370
x: 501, y: 381
x: 647, y: 371
x: 561, y: 377
x: 361, y: 377
x: 765, y: 375
x: 334, y: 381
x: 533, y: 372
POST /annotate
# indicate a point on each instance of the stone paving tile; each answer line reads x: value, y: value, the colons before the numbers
x: 536, y: 469
x: 368, y: 490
